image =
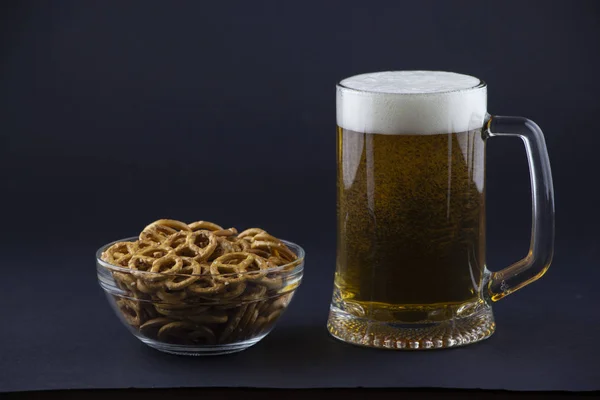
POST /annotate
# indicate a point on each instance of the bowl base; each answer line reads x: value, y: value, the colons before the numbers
x: 205, y: 350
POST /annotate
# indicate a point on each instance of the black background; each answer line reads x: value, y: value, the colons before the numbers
x: 117, y: 113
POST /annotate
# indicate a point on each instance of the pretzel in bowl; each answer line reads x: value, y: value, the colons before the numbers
x: 200, y: 283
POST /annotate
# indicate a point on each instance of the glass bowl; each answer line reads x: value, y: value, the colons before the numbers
x: 200, y: 314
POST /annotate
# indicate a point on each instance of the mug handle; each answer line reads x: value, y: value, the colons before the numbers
x: 541, y: 249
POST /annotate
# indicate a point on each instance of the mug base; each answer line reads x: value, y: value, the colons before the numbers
x: 454, y: 332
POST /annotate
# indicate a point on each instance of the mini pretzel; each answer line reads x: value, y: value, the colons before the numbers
x: 264, y: 236
x: 250, y: 232
x: 130, y: 311
x: 167, y: 226
x: 275, y: 262
x: 291, y: 265
x: 279, y: 247
x: 264, y: 240
x: 123, y: 261
x: 148, y: 287
x: 224, y: 246
x: 225, y: 232
x: 171, y: 297
x: 183, y: 250
x: 154, y: 251
x: 262, y: 253
x: 143, y: 260
x: 170, y: 223
x: 206, y: 287
x: 175, y: 330
x: 232, y: 291
x: 126, y: 281
x: 117, y: 251
x: 202, y: 243
x: 158, y: 231
x: 256, y: 270
x: 204, y: 225
x: 284, y: 252
x: 190, y: 267
x: 151, y: 327
x: 142, y: 244
x: 155, y: 234
x: 166, y: 265
x: 231, y: 267
x: 243, y: 245
x: 177, y: 239
x: 271, y: 280
x: 140, y: 264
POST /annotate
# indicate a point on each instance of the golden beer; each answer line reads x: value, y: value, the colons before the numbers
x: 411, y: 217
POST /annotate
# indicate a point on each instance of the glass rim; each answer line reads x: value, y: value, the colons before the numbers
x: 482, y: 84
x: 298, y: 264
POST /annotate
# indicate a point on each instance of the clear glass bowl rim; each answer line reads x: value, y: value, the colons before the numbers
x: 297, y: 249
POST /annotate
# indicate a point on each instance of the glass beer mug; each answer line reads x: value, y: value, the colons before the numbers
x: 410, y: 270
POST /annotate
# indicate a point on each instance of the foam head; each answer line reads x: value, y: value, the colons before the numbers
x: 411, y: 102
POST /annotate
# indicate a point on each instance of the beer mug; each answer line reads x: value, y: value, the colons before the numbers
x: 411, y: 270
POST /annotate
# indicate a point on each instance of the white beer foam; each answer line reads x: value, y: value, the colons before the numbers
x: 411, y: 102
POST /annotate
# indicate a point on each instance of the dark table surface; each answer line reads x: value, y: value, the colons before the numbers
x: 58, y: 332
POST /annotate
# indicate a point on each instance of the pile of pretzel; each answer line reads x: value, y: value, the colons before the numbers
x: 199, y: 283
